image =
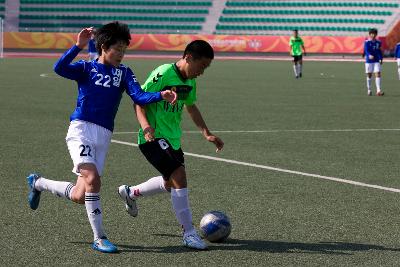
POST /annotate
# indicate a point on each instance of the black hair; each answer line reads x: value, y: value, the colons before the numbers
x: 373, y: 30
x: 110, y: 34
x: 199, y: 49
x: 296, y: 30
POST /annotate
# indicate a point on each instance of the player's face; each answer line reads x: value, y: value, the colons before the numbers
x: 114, y: 54
x: 295, y: 33
x: 196, y: 67
x: 372, y: 35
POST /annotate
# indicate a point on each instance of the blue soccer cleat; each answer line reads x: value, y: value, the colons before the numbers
x: 34, y: 195
x: 104, y: 245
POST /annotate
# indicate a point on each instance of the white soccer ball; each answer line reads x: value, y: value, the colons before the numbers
x: 215, y: 226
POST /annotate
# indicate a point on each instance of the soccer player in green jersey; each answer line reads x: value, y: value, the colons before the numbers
x: 296, y: 46
x: 160, y: 136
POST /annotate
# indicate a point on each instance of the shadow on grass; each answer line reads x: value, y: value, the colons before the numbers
x: 335, y: 248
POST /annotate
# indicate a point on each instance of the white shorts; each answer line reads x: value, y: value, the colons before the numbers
x: 372, y: 67
x: 88, y: 143
x: 398, y: 62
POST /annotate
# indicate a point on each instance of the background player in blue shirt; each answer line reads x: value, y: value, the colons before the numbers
x: 92, y: 51
x: 373, y: 61
x: 101, y: 84
x: 397, y: 57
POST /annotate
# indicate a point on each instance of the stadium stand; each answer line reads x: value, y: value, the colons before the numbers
x: 141, y: 16
x: 276, y: 17
x: 310, y: 17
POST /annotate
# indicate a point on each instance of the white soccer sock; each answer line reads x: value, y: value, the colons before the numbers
x: 180, y: 203
x: 378, y: 84
x: 151, y: 187
x: 398, y: 71
x: 295, y: 69
x: 369, y: 83
x: 60, y: 189
x: 94, y: 212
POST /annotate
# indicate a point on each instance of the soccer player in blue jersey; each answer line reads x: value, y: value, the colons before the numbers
x: 373, y: 61
x: 397, y: 57
x: 101, y: 84
x: 93, y: 55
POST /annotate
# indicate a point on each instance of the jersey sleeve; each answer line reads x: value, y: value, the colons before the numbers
x: 64, y: 68
x: 291, y: 41
x: 134, y: 90
x: 380, y: 54
x: 396, y: 51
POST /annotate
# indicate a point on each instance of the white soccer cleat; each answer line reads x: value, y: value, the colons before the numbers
x: 130, y: 204
x: 194, y: 241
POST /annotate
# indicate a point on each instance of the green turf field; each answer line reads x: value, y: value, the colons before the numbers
x: 278, y: 218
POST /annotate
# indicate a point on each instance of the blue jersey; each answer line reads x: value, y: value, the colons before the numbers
x: 397, y: 51
x: 100, y: 88
x: 373, y: 47
x: 92, y: 46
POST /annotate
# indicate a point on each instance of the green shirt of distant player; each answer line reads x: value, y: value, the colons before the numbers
x: 296, y: 43
x: 162, y: 116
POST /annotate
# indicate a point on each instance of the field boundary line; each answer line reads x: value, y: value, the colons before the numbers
x: 335, y: 179
x: 279, y: 131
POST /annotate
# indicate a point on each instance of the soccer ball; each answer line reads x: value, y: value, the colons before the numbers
x: 215, y: 226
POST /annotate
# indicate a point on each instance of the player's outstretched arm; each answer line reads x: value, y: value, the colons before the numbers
x: 63, y: 66
x: 196, y: 117
x: 141, y: 97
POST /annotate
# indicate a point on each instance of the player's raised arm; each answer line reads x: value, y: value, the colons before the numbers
x: 197, y: 118
x: 141, y: 97
x: 63, y: 66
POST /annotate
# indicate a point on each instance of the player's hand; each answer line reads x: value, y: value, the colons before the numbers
x: 84, y: 37
x: 381, y: 62
x: 148, y: 133
x: 371, y: 57
x: 169, y: 96
x: 304, y: 54
x: 217, y: 142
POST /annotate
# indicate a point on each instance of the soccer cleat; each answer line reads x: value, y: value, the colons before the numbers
x: 369, y: 93
x: 300, y: 75
x: 194, y: 241
x: 297, y: 76
x: 34, y: 195
x: 104, y: 245
x: 380, y: 93
x: 130, y: 204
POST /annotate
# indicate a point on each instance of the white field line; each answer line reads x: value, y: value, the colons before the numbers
x: 339, y: 180
x: 279, y: 131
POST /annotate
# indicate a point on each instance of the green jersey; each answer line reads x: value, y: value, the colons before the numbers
x: 296, y: 43
x: 162, y: 116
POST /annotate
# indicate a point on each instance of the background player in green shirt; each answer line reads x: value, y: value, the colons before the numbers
x: 160, y: 135
x: 296, y: 44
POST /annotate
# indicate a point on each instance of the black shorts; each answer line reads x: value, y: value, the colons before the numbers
x: 162, y: 156
x: 297, y: 58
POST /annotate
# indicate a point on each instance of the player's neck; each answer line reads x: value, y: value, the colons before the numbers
x: 180, y: 65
